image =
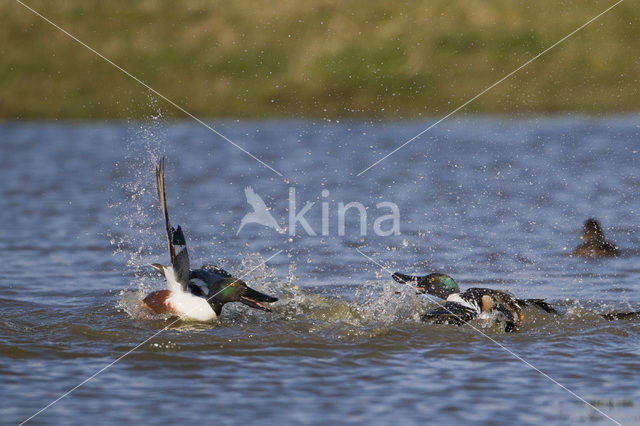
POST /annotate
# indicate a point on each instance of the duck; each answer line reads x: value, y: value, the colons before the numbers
x: 195, y: 294
x: 594, y: 243
x: 462, y: 307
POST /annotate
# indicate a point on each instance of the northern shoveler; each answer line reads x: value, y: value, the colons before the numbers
x: 195, y: 294
x: 459, y: 308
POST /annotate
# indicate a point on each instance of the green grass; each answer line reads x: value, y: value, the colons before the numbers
x: 321, y: 58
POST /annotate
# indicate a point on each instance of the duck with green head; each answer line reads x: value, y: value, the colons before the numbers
x: 195, y: 294
x: 460, y: 308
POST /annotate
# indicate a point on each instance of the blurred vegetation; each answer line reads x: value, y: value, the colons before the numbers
x: 319, y: 58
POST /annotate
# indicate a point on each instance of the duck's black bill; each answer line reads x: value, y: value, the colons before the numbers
x: 405, y: 279
x: 252, y: 298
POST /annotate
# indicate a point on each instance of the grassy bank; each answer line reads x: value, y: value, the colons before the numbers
x: 256, y: 58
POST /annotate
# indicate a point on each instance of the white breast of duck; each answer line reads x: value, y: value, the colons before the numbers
x: 185, y: 304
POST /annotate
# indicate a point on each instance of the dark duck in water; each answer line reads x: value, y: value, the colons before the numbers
x: 594, y: 243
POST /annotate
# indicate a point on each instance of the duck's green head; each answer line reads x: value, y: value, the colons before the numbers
x: 439, y: 285
x: 234, y: 290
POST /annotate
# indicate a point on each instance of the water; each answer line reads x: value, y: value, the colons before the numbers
x: 493, y: 202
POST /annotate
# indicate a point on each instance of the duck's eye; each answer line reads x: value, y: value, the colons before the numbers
x: 233, y: 284
x: 432, y: 279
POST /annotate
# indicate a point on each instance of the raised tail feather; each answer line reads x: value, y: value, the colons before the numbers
x: 162, y: 197
x: 175, y: 237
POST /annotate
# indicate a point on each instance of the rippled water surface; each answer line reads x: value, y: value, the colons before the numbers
x: 493, y: 202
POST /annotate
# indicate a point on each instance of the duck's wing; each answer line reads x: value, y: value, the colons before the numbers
x: 450, y: 313
x: 502, y: 301
x: 181, y: 265
x: 539, y: 303
x: 175, y: 237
